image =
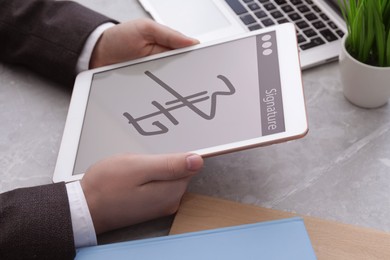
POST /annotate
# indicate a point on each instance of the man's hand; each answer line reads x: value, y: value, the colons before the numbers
x: 136, y: 39
x: 131, y: 188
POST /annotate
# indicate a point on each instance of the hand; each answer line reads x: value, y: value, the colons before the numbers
x: 136, y: 39
x: 127, y: 189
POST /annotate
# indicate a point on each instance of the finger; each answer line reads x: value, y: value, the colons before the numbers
x: 165, y: 36
x: 169, y: 167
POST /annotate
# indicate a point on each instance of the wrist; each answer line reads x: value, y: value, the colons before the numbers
x: 90, y: 45
x: 82, y: 224
x: 94, y: 202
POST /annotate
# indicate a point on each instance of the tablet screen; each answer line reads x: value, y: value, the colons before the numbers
x: 202, y: 98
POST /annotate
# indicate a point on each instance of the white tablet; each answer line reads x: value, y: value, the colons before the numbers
x: 212, y: 98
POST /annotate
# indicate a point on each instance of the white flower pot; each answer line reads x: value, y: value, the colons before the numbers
x: 363, y: 85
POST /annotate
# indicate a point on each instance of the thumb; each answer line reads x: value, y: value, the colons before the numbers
x: 170, y: 167
x: 166, y: 37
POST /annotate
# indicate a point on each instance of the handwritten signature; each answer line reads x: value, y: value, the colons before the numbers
x: 179, y: 102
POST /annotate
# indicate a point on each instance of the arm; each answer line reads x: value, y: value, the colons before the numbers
x: 120, y: 191
x: 46, y: 36
x: 35, y: 222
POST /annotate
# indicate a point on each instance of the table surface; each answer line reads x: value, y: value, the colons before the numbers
x: 340, y: 171
x: 330, y: 239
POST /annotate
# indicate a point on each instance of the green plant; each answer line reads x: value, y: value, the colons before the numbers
x: 368, y: 24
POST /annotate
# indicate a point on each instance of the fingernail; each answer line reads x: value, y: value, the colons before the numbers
x: 194, y: 162
x: 194, y: 41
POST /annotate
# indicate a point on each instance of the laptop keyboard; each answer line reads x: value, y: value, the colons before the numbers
x: 314, y: 27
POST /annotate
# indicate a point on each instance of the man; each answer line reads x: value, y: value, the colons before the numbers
x: 58, y: 39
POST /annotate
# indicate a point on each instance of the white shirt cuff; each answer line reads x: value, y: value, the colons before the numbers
x: 83, y: 229
x: 85, y: 56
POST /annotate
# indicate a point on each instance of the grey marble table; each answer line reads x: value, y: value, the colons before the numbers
x: 340, y: 171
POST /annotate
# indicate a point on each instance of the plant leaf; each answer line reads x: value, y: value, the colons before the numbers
x: 388, y: 50
x: 369, y: 34
x: 380, y: 36
x: 368, y: 24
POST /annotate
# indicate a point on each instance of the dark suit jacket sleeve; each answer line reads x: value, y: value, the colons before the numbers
x: 35, y: 223
x: 46, y: 36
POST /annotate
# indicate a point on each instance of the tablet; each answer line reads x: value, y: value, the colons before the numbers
x: 212, y: 98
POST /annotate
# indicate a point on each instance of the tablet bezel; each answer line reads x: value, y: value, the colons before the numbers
x: 293, y: 102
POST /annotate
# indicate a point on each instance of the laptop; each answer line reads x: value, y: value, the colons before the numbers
x: 319, y: 23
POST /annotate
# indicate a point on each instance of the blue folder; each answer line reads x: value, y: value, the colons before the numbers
x: 279, y: 240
